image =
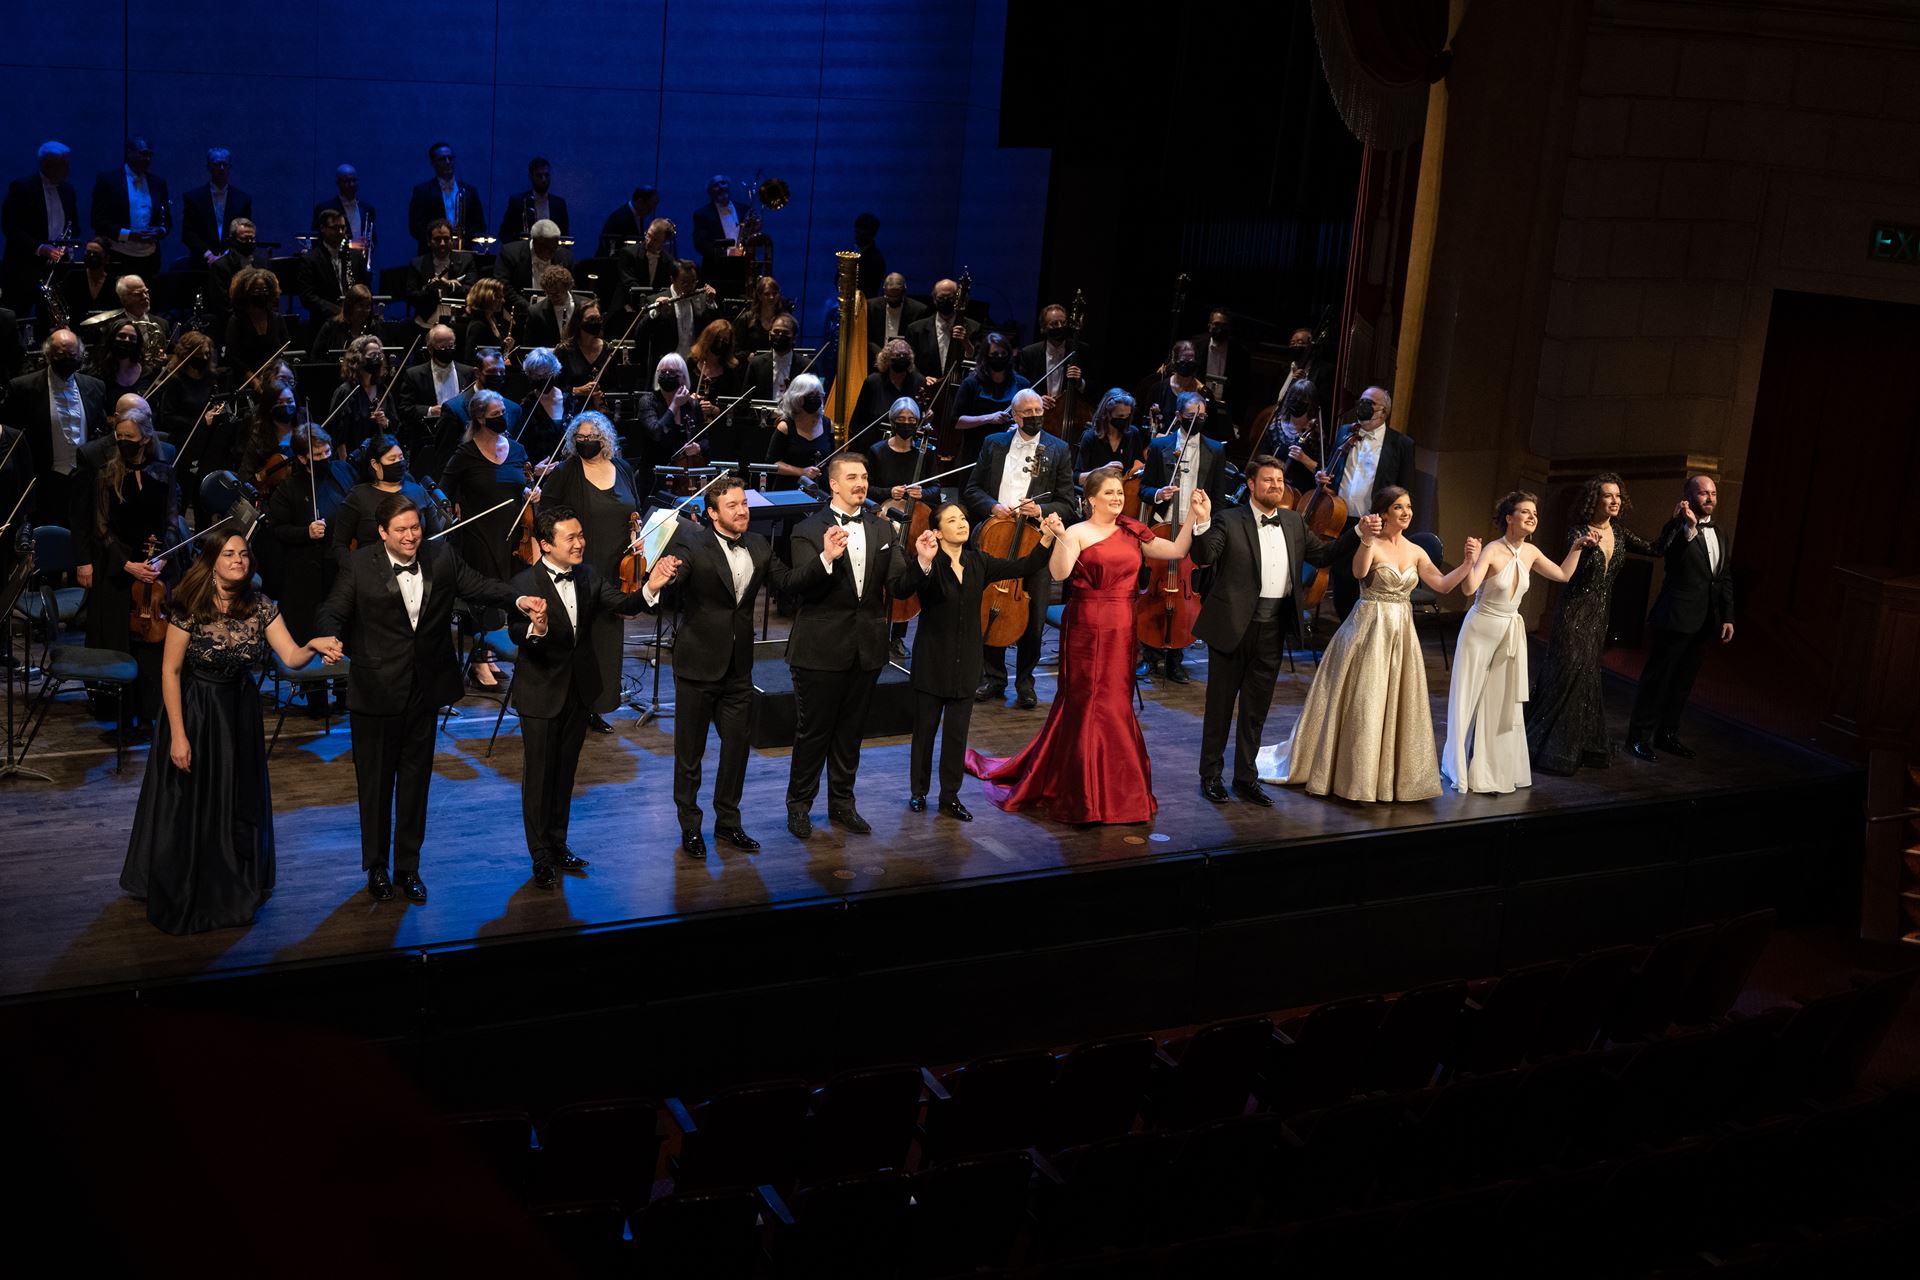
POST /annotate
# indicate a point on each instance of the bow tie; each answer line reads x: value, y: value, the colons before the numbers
x: 1270, y: 522
x: 846, y: 519
x: 561, y: 575
x: 731, y: 544
x: 399, y: 569
x: 1705, y: 524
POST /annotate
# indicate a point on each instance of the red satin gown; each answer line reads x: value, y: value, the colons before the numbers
x: 1089, y: 763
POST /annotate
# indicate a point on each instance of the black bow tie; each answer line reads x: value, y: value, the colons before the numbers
x: 846, y: 519
x: 1705, y: 524
x: 731, y: 544
x: 406, y: 568
x: 1270, y: 522
x: 561, y: 575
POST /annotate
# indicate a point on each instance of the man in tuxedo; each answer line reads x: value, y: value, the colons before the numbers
x: 444, y: 196
x: 629, y: 221
x: 1057, y: 342
x: 1256, y: 552
x: 677, y: 316
x: 59, y: 409
x: 1377, y: 458
x: 769, y: 371
x: 1223, y: 360
x: 536, y: 204
x: 1024, y: 472
x: 424, y: 388
x: 1179, y: 462
x: 933, y: 335
x: 348, y: 204
x: 242, y: 239
x: 39, y: 209
x: 721, y: 570
x: 889, y: 316
x: 393, y: 605
x: 1692, y: 611
x: 128, y: 210
x: 843, y: 559
x: 558, y: 678
x: 206, y: 212
x: 328, y: 270
x: 523, y: 263
x: 716, y: 226
x: 647, y: 268
x: 439, y: 276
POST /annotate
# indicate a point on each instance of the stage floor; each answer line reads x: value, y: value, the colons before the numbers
x: 65, y: 924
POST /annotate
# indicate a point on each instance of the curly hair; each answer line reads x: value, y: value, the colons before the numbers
x: 256, y: 286
x: 354, y: 361
x: 1587, y: 501
x: 486, y: 290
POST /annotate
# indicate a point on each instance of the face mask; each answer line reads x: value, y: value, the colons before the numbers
x: 1219, y: 333
x: 96, y: 259
x: 1119, y: 423
x: 782, y: 342
x: 900, y: 364
x: 1299, y: 355
x: 1185, y: 367
x: 126, y: 346
x: 669, y: 382
x: 129, y: 450
x: 1298, y: 406
x: 589, y: 448
x: 999, y: 360
x: 811, y: 403
x: 1057, y: 336
x: 443, y: 355
x: 946, y: 306
x: 199, y: 366
x: 244, y: 248
x: 905, y: 429
x: 390, y: 471
x: 1032, y: 425
x: 283, y: 413
x: 63, y: 366
x: 595, y: 327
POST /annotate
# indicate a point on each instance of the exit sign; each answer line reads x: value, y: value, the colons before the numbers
x: 1893, y: 242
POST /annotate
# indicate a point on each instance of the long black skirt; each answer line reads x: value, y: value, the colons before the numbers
x: 201, y: 853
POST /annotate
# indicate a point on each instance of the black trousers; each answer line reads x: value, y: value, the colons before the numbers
x: 930, y: 712
x: 831, y: 709
x: 1673, y: 660
x: 1346, y: 589
x: 726, y: 704
x: 1245, y: 677
x: 551, y: 746
x: 1027, y: 648
x: 392, y: 765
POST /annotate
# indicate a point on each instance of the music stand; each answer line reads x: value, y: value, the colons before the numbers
x: 10, y: 765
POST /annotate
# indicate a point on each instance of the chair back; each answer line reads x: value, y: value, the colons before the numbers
x: 52, y: 549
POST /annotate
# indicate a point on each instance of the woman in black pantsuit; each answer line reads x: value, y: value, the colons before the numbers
x: 949, y: 576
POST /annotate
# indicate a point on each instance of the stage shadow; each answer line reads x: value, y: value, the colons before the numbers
x: 727, y: 877
x: 531, y: 909
x: 357, y: 924
x: 119, y: 943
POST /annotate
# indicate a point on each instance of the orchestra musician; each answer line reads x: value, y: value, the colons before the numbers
x: 626, y: 223
x: 679, y: 315
x: 527, y: 209
x: 755, y: 329
x: 207, y: 211
x: 59, y: 409
x: 1379, y: 457
x: 255, y: 327
x: 488, y: 468
x: 128, y: 210
x: 134, y: 499
x: 523, y: 262
x: 716, y: 226
x: 136, y: 303
x: 327, y: 271
x: 439, y: 273
x: 893, y: 376
x: 1223, y: 362
x: 383, y: 470
x: 1179, y: 376
x: 356, y: 320
x: 583, y: 349
x: 117, y: 361
x: 719, y: 375
x: 895, y: 311
x: 428, y: 385
x: 1057, y: 342
x: 443, y: 197
x: 550, y: 315
x: 891, y: 464
x: 297, y: 514
x: 648, y: 264
x: 403, y: 670
x: 669, y: 416
x: 984, y: 403
x: 559, y: 677
x: 542, y: 415
x: 40, y: 209
x: 1027, y: 471
x: 186, y: 402
x: 356, y: 410
x: 1112, y: 439
x: 487, y: 323
x: 348, y: 204
x: 771, y: 370
x: 84, y: 292
x: 1186, y: 458
x: 802, y: 435
x: 873, y: 263
x: 242, y: 252
x: 933, y: 335
x: 1293, y: 436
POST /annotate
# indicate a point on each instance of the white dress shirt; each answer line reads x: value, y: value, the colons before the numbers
x: 139, y: 216
x: 568, y: 599
x: 450, y: 201
x: 1276, y: 570
x: 856, y: 553
x: 56, y: 211
x: 1216, y: 359
x: 1712, y: 537
x: 729, y: 221
x: 1363, y: 464
x: 683, y: 318
x: 739, y: 562
x: 356, y: 219
x: 69, y: 421
x: 892, y: 322
x: 943, y: 335
x: 1015, y: 480
x: 445, y: 385
x: 782, y: 372
x: 413, y: 589
x: 1056, y: 356
x: 219, y: 199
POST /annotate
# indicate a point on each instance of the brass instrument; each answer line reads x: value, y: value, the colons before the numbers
x: 50, y: 296
x: 755, y: 244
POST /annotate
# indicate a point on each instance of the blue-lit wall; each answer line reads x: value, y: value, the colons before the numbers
x: 857, y: 104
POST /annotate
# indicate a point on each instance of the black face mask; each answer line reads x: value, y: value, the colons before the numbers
x: 493, y: 379
x: 96, y: 259
x: 1185, y: 367
x: 588, y: 448
x: 282, y: 413
x: 1057, y: 336
x: 596, y: 327
x: 1299, y: 355
x: 63, y: 366
x: 128, y: 347
x: 946, y: 306
x: 244, y: 248
x: 442, y: 355
x: 1119, y: 424
x: 1219, y: 333
x: 1298, y: 406
x: 905, y: 429
x: 782, y: 342
x: 1032, y: 426
x: 999, y: 360
x: 129, y: 450
x: 669, y: 382
x: 388, y: 472
x: 811, y: 403
x: 900, y: 364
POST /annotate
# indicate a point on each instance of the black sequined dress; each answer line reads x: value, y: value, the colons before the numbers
x: 1566, y: 718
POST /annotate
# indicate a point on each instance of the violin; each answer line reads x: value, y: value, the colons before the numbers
x: 1164, y: 613
x: 147, y: 618
x: 528, y: 547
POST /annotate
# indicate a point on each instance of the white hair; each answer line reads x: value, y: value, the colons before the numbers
x: 541, y: 364
x: 1025, y: 396
x: 671, y: 360
x: 477, y: 401
x: 51, y: 150
x: 602, y: 428
x: 798, y: 390
x: 907, y: 403
x: 124, y: 286
x: 545, y: 229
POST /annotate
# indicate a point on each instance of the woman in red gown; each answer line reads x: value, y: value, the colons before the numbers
x: 1089, y: 762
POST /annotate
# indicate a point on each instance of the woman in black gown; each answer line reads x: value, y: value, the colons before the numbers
x: 363, y: 381
x: 596, y: 484
x: 486, y: 469
x: 543, y: 413
x: 255, y: 329
x: 135, y: 502
x: 1566, y: 716
x: 201, y: 853
x: 382, y: 467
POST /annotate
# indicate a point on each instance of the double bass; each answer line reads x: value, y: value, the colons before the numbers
x: 1325, y: 513
x: 1071, y: 412
x: 1004, y: 605
x: 1164, y: 613
x: 905, y: 608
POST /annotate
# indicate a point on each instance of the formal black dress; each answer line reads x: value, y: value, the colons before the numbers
x: 140, y: 511
x: 605, y: 517
x: 791, y: 447
x: 246, y: 348
x: 201, y: 853
x: 1566, y: 716
x: 473, y: 482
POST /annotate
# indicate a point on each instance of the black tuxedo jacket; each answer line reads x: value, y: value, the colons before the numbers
x: 708, y: 232
x: 320, y: 291
x: 1053, y: 477
x: 13, y: 352
x: 947, y: 654
x: 1031, y: 363
x: 542, y: 328
x: 632, y: 262
x: 23, y: 217
x: 923, y: 335
x: 760, y: 377
x: 1239, y: 363
x: 107, y: 211
x: 200, y: 232
x: 714, y: 633
x: 388, y: 659
x: 30, y: 409
x: 366, y: 213
x: 912, y: 311
x: 1162, y: 454
x: 1693, y: 595
x: 425, y: 205
x: 563, y: 658
x: 839, y: 628
x: 423, y: 294
x: 1396, y: 460
x: 663, y: 325
x: 621, y: 225
x: 514, y: 224
x: 414, y: 395
x: 514, y: 266
x: 1231, y: 545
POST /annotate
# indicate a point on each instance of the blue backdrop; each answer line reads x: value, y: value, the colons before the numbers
x: 857, y: 104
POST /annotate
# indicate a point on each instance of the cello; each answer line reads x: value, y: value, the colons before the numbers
x: 1164, y: 613
x: 905, y: 608
x: 943, y: 409
x: 1070, y: 413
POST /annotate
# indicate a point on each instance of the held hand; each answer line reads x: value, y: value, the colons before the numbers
x: 433, y: 411
x: 1202, y: 508
x: 1726, y: 633
x: 541, y: 467
x: 532, y: 495
x: 835, y: 544
x: 1684, y: 511
x: 181, y: 754
x: 662, y: 573
x: 926, y: 544
x: 1587, y: 539
x: 533, y: 606
x: 1296, y: 453
x: 1053, y: 527
x: 1369, y: 528
x: 317, y: 529
x: 141, y: 570
x: 328, y: 647
x: 1472, y: 548
x: 706, y: 407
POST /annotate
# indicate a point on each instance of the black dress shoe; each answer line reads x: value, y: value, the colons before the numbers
x: 738, y: 838
x: 544, y: 876
x: 598, y: 724
x: 954, y: 809
x: 1253, y: 793
x: 1179, y: 675
x: 1024, y: 697
x: 410, y: 885
x: 1214, y: 790
x: 379, y: 887
x: 917, y: 804
x: 799, y: 821
x: 897, y: 650
x: 1642, y: 751
x: 693, y: 844
x: 849, y: 819
x: 988, y: 691
x: 565, y: 859
x: 1674, y: 747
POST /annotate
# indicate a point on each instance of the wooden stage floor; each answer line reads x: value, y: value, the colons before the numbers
x: 65, y: 924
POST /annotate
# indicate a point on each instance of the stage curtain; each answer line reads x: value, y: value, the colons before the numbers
x: 1379, y: 57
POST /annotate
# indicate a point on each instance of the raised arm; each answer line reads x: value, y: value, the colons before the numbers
x: 1478, y: 567
x: 1201, y: 508
x: 1443, y: 583
x: 1562, y: 572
